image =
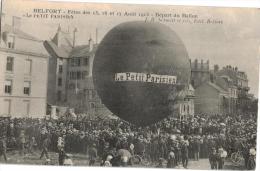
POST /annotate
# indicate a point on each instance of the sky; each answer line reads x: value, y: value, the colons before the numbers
x: 234, y: 42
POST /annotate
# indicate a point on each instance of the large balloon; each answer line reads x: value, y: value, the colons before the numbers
x: 139, y: 69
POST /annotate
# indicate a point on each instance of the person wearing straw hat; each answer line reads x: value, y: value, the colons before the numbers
x: 171, y: 159
x: 222, y: 154
x: 107, y: 163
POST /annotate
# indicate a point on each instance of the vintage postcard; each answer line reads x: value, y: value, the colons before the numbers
x: 124, y: 85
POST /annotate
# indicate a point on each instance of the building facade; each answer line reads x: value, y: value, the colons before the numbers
x: 226, y: 89
x: 71, y: 82
x: 23, y: 73
x: 236, y: 83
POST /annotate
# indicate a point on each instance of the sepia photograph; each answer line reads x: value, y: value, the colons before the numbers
x: 128, y: 85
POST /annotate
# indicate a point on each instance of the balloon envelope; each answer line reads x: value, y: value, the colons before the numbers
x: 144, y: 48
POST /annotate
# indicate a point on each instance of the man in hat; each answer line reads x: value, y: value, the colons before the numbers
x: 22, y: 142
x: 62, y: 156
x: 196, y: 148
x: 185, y: 153
x: 45, y: 145
x: 92, y: 154
x: 213, y: 159
x: 32, y: 145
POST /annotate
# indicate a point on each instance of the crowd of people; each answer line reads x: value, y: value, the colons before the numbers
x: 113, y: 142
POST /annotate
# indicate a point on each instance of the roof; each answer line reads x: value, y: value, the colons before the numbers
x: 18, y: 32
x: 82, y: 51
x: 65, y: 48
x: 186, y: 93
x: 232, y: 74
x: 69, y: 52
x: 62, y: 51
x: 222, y: 82
x: 219, y: 89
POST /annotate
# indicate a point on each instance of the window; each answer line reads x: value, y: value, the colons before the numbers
x: 59, y: 95
x: 28, y: 66
x: 70, y: 75
x: 78, y: 85
x: 26, y: 88
x: 7, y: 107
x: 92, y: 105
x: 74, y: 75
x: 93, y: 94
x: 72, y: 86
x: 75, y: 62
x: 84, y: 74
x: 9, y: 63
x: 78, y: 75
x: 86, y: 61
x: 86, y: 93
x: 10, y: 42
x: 8, y: 86
x: 71, y: 62
x: 60, y: 69
x: 59, y: 81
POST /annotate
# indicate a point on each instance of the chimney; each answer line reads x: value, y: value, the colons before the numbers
x: 74, y: 36
x: 196, y: 63
x: 201, y: 64
x: 208, y: 64
x: 91, y: 44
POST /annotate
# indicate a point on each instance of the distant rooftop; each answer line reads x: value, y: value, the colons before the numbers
x: 9, y: 29
x: 62, y: 45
